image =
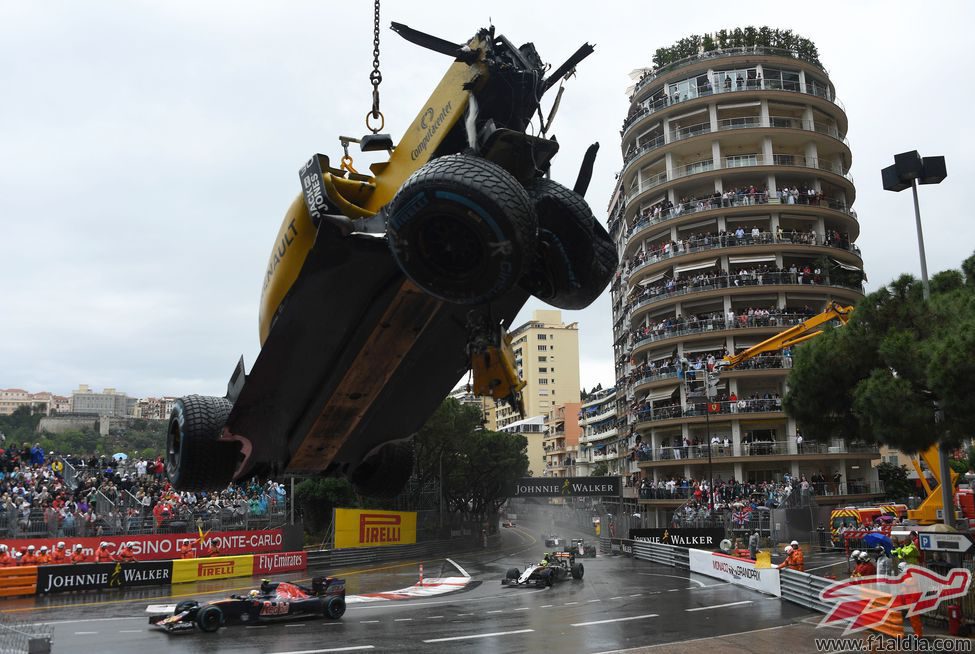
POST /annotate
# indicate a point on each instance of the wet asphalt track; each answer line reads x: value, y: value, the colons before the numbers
x: 621, y: 603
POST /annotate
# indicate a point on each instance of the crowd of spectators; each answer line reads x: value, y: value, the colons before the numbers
x: 762, y: 275
x: 733, y: 197
x: 751, y: 317
x: 55, y: 496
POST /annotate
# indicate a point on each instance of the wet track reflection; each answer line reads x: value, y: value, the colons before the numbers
x: 620, y: 603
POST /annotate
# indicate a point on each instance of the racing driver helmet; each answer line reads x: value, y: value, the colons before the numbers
x: 254, y: 594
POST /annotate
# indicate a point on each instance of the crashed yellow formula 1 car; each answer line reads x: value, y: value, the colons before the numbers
x: 383, y: 289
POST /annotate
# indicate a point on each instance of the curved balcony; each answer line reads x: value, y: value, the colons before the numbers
x: 713, y: 326
x: 606, y: 413
x: 760, y: 242
x: 749, y: 122
x: 748, y: 87
x: 664, y: 456
x: 769, y: 282
x: 761, y: 365
x: 697, y: 412
x: 738, y: 163
x: 710, y: 55
x: 739, y: 204
x: 600, y: 435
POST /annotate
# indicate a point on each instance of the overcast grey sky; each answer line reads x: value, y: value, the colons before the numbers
x: 148, y: 151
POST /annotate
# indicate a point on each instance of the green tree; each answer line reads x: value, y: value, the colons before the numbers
x: 479, y: 466
x: 599, y: 470
x: 315, y: 498
x: 896, y: 483
x: 899, y: 373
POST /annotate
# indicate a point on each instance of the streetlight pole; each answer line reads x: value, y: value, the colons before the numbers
x: 911, y: 167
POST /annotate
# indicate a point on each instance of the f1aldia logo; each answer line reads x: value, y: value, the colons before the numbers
x: 867, y: 602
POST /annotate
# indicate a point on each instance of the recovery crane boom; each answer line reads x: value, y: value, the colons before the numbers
x: 796, y: 334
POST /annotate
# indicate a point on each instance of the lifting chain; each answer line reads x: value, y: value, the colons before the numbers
x: 375, y: 78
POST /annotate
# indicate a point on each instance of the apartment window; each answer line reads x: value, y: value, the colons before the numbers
x: 541, y: 370
x: 543, y: 337
x: 542, y: 380
x: 543, y: 348
x: 542, y: 359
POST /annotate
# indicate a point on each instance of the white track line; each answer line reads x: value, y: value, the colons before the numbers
x: 403, y: 620
x: 457, y: 565
x: 633, y: 617
x: 493, y: 633
x: 331, y: 649
x: 718, y: 606
x: 85, y: 633
x: 643, y: 648
x: 656, y: 574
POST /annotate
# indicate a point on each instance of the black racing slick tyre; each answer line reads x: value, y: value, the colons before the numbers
x: 195, y: 458
x: 384, y: 472
x: 578, y: 570
x: 575, y: 258
x: 462, y: 228
x: 512, y: 573
x: 334, y: 607
x: 209, y: 619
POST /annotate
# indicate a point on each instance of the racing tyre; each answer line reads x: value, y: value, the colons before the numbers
x: 185, y: 605
x: 209, y: 619
x: 195, y: 459
x: 462, y: 228
x: 578, y: 570
x: 575, y: 258
x: 334, y: 607
x: 384, y: 472
x: 512, y: 573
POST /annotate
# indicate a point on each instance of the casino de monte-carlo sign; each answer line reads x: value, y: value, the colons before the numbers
x: 566, y: 487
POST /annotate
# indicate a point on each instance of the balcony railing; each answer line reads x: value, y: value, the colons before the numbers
x: 655, y: 216
x: 718, y: 54
x: 701, y: 91
x: 685, y: 328
x: 726, y: 407
x: 744, y: 122
x: 738, y: 161
x: 778, y: 278
x: 714, y: 241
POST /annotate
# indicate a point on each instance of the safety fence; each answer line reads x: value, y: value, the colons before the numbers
x: 150, y: 547
x: 22, y: 637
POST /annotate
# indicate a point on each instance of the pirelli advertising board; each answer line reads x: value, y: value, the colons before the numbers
x: 218, y: 567
x: 371, y: 528
x: 567, y: 487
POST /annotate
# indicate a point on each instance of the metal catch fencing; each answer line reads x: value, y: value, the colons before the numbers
x: 22, y: 637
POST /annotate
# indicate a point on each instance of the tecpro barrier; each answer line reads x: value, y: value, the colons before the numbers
x: 98, y: 576
x: 153, y: 547
x: 28, y: 580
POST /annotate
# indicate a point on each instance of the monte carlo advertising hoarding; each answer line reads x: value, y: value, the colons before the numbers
x: 373, y: 528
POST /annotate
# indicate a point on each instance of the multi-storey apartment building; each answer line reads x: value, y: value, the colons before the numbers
x: 547, y: 355
x: 561, y: 440
x: 107, y: 403
x: 733, y: 219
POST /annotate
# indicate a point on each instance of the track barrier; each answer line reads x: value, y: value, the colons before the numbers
x: 18, y: 581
